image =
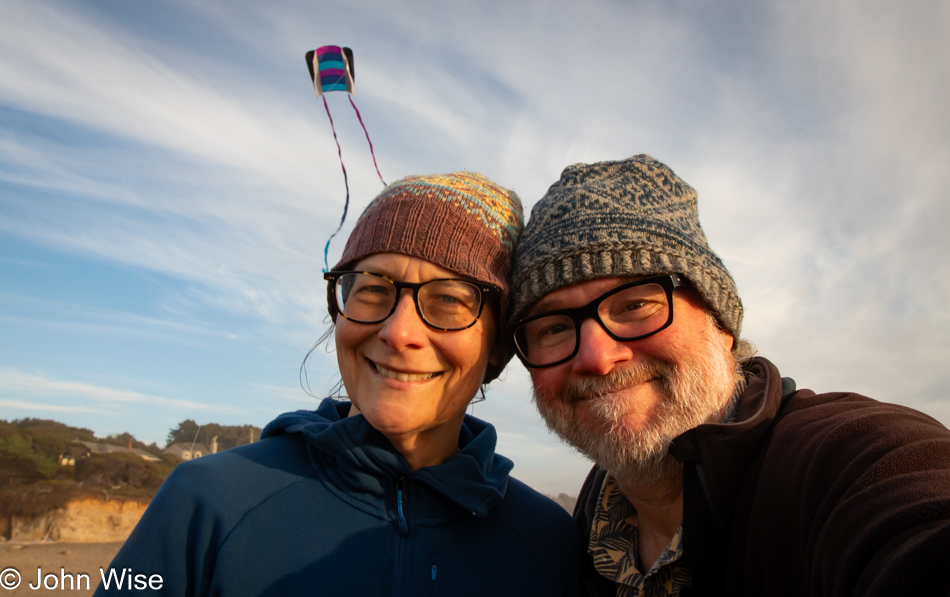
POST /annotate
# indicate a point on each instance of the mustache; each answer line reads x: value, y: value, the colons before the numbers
x: 625, y: 376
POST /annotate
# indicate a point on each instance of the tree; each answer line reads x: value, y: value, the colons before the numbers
x: 229, y: 436
x: 186, y: 432
x: 39, y: 440
x: 121, y: 468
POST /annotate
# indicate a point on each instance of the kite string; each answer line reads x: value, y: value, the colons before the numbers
x: 346, y: 183
x: 371, y: 152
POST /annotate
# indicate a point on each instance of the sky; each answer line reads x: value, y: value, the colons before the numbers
x: 168, y: 180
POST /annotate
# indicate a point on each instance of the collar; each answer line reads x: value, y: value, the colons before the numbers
x: 613, y: 546
x: 356, y: 459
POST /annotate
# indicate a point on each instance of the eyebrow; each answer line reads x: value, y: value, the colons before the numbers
x: 387, y: 273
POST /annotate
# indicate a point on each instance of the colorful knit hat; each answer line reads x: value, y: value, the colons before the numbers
x: 461, y: 221
x: 633, y: 217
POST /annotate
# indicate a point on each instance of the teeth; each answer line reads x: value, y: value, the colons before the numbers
x: 403, y: 376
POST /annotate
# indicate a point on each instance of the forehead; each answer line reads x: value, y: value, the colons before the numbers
x: 404, y: 267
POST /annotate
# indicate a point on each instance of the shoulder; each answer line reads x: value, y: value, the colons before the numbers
x: 535, y: 517
x: 872, y: 479
x: 237, y: 479
x: 201, y: 503
x: 280, y: 455
x: 520, y: 495
x: 842, y: 419
x: 843, y: 444
x: 825, y: 435
x: 547, y: 535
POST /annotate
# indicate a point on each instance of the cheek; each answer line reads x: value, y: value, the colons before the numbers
x: 547, y: 383
x: 340, y: 339
x: 468, y: 354
x: 347, y: 337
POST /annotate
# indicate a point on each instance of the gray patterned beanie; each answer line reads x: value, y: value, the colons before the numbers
x: 632, y: 217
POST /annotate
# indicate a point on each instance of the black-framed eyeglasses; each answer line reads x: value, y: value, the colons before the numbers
x: 628, y: 312
x: 445, y: 304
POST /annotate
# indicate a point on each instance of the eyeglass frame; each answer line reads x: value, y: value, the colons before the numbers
x: 579, y: 315
x: 333, y: 277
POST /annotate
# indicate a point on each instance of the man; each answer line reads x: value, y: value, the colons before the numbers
x: 713, y: 475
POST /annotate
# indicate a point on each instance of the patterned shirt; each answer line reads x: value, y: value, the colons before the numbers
x: 614, y: 546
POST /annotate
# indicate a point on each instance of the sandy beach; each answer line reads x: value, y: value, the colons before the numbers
x: 65, y: 560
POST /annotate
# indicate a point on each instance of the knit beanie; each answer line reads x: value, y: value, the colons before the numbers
x: 632, y: 217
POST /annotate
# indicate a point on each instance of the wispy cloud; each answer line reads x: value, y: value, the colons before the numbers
x: 112, y: 83
x: 17, y: 383
x: 815, y: 133
x: 36, y: 406
x: 64, y: 316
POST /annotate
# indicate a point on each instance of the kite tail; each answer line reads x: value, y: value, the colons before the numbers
x: 346, y: 183
x: 360, y: 118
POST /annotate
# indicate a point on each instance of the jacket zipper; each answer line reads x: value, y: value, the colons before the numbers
x: 400, y: 502
x: 401, y: 537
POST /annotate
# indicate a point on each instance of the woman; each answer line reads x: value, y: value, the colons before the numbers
x: 397, y: 492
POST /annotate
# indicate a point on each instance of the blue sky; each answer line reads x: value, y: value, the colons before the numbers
x: 168, y: 180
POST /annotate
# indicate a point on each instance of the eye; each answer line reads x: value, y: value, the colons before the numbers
x: 370, y: 289
x: 549, y: 331
x: 374, y: 289
x: 553, y: 330
x: 633, y: 306
x: 449, y: 295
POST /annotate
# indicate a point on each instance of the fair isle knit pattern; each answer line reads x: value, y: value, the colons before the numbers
x: 632, y: 217
x: 498, y: 208
x: 461, y: 221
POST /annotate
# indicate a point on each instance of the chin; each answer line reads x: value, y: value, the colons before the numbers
x: 381, y: 414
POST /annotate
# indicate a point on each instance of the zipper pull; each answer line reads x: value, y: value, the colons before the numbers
x: 400, y: 502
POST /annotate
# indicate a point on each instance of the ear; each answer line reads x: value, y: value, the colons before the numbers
x: 728, y: 340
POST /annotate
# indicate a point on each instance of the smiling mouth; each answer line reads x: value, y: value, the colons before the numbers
x: 590, y: 388
x: 402, y: 376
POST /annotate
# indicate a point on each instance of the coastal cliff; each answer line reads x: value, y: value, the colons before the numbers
x: 80, y: 520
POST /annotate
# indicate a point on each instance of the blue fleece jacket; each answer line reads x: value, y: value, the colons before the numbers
x: 323, y: 505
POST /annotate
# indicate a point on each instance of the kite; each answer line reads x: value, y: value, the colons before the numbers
x: 331, y: 69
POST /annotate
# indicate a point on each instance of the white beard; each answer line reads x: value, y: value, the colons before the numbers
x: 696, y: 390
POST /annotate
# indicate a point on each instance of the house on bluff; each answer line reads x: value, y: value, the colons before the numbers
x: 81, y: 449
x: 187, y: 451
x: 190, y: 451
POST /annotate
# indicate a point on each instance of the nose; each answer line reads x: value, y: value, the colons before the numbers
x: 598, y: 353
x: 404, y: 328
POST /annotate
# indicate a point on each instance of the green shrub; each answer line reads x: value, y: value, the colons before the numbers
x: 121, y: 468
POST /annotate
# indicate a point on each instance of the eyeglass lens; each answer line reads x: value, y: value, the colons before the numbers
x: 447, y: 304
x: 629, y: 314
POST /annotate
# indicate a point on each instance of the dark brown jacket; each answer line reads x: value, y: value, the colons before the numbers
x: 813, y: 494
